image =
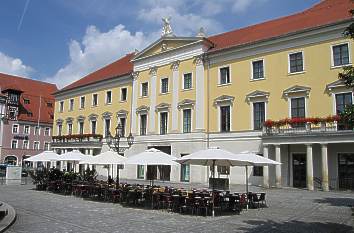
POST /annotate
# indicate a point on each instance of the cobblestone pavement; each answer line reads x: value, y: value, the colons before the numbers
x: 290, y: 210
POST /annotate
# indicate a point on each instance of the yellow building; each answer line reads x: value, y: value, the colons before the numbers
x: 185, y: 94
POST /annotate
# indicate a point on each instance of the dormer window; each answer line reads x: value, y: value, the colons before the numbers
x: 26, y: 101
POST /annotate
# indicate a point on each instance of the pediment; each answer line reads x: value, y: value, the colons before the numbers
x: 163, y: 106
x: 106, y: 115
x: 224, y: 99
x: 142, y: 109
x: 186, y: 103
x: 59, y: 121
x: 336, y: 84
x: 122, y: 113
x: 257, y: 94
x: 165, y: 44
x: 80, y: 118
x: 296, y: 90
x: 92, y: 116
x: 69, y: 119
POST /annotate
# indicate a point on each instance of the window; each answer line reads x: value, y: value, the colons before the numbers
x: 298, y: 107
x: 296, y: 62
x: 14, y: 144
x: 224, y: 75
x: 37, y: 130
x: 93, y: 127
x: 107, y: 126
x: 340, y: 55
x: 25, y: 145
x: 123, y: 94
x: 187, y: 81
x: 26, y: 101
x: 187, y: 120
x: 258, y: 115
x: 343, y: 100
x: 46, y: 146
x: 143, y: 121
x: 71, y: 105
x: 257, y: 171
x: 70, y: 128
x: 123, y: 121
x: 94, y: 99
x: 140, y: 172
x: 108, y: 97
x: 36, y: 146
x: 26, y: 129
x: 257, y: 70
x: 61, y: 106
x: 164, y: 85
x: 144, y: 89
x: 47, y: 131
x: 13, y: 98
x: 81, y: 127
x: 225, y: 118
x: 60, y: 130
x: 49, y: 104
x: 15, y: 129
x: 82, y: 102
x: 185, y: 171
x: 13, y: 113
x: 163, y: 123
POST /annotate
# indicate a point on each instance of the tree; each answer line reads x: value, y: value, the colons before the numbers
x: 347, y: 75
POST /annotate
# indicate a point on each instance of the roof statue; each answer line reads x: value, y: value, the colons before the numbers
x: 166, y: 28
x: 201, y: 32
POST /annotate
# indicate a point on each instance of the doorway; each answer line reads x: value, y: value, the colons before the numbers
x: 346, y: 171
x: 164, y: 171
x: 299, y: 170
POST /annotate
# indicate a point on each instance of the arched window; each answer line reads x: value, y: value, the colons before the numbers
x: 12, y: 160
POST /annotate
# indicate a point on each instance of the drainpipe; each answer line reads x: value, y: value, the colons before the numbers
x: 206, y: 58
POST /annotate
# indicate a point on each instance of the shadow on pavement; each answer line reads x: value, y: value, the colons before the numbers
x: 334, y: 201
x: 258, y: 226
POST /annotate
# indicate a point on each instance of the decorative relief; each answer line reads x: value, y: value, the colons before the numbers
x: 336, y: 84
x: 59, y: 121
x: 166, y: 28
x: 122, y: 113
x: 80, y: 118
x: 162, y: 107
x: 175, y: 65
x: 92, y: 116
x: 135, y: 75
x: 106, y: 115
x: 69, y: 119
x: 224, y: 99
x: 198, y: 60
x: 257, y: 94
x: 153, y: 71
x: 296, y: 89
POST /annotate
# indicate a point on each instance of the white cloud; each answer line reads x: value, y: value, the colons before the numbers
x: 14, y: 66
x: 96, y: 50
x: 240, y: 6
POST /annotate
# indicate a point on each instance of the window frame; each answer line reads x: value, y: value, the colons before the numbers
x: 303, y: 62
x: 14, y: 140
x: 191, y: 120
x: 48, y: 143
x: 333, y: 66
x: 220, y: 119
x: 219, y: 75
x: 34, y: 145
x: 183, y: 81
x: 137, y: 172
x: 29, y: 129
x: 23, y: 144
x: 160, y: 122
x: 68, y: 128
x: 141, y: 89
x: 181, y: 172
x: 82, y: 103
x: 126, y: 94
x: 79, y: 127
x: 35, y: 131
x: 146, y: 124
x: 167, y: 87
x: 71, y: 104
x: 93, y: 98
x: 252, y: 69
x: 110, y: 99
x: 45, y: 130
x: 60, y: 129
x: 18, y: 129
x: 335, y: 99
x: 290, y: 105
x: 61, y: 106
x: 253, y: 112
x: 91, y: 126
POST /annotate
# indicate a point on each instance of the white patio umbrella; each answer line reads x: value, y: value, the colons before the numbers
x: 152, y: 157
x: 106, y: 158
x: 73, y: 156
x: 45, y: 156
x: 219, y: 157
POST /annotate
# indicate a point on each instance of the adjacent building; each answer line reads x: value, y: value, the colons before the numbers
x: 184, y: 94
x: 27, y: 112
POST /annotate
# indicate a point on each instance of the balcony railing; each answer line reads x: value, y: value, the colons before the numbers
x: 304, y: 126
x: 77, y: 138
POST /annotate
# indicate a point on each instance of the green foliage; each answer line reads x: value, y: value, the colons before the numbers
x: 347, y: 117
x: 55, y: 174
x: 89, y: 175
x: 40, y: 178
x: 347, y: 76
x: 70, y: 176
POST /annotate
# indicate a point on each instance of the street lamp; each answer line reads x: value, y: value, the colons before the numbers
x: 114, y: 141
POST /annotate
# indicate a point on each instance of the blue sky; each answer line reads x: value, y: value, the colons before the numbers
x: 62, y: 40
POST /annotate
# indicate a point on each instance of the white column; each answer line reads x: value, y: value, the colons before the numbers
x: 309, y: 167
x: 200, y: 96
x: 324, y: 154
x: 175, y: 89
x: 278, y: 167
x: 152, y: 90
x: 135, y: 93
x: 265, y: 168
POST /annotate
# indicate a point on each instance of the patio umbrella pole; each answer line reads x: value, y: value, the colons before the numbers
x: 117, y: 181
x: 247, y: 185
x: 213, y: 212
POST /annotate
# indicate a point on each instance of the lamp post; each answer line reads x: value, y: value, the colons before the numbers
x: 114, y: 141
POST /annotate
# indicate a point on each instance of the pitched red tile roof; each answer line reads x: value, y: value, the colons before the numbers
x: 324, y: 13
x: 121, y: 67
x: 37, y: 92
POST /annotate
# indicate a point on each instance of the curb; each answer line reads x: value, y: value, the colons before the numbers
x: 9, y: 219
